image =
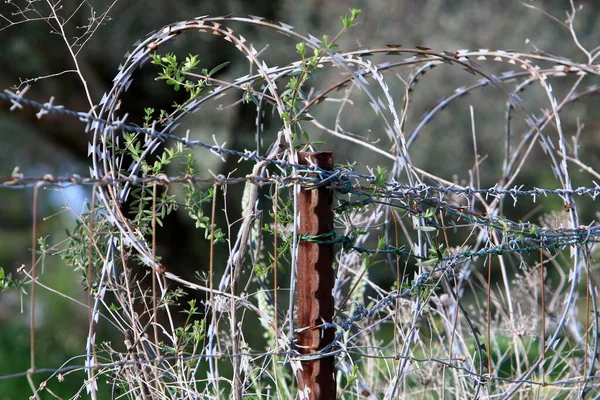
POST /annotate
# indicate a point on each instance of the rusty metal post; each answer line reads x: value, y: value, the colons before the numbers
x: 315, y: 284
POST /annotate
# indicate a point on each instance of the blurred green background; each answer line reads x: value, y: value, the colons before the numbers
x: 56, y: 145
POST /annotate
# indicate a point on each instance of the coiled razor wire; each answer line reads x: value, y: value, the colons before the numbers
x: 520, y: 238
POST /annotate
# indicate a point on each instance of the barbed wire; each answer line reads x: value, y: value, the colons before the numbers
x: 342, y: 176
x: 583, y: 234
x: 516, y: 238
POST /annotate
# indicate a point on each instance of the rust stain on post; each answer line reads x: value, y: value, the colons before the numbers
x: 315, y: 284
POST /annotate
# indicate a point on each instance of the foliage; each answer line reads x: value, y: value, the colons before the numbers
x: 441, y: 287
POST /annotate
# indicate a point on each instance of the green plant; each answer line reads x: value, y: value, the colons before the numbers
x: 441, y: 288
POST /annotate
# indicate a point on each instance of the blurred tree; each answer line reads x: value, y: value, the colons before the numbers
x: 99, y: 32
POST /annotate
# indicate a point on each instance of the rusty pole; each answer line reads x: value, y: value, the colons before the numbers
x: 315, y: 284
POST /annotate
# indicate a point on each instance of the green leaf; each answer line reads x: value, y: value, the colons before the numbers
x: 380, y: 177
x: 218, y: 68
x: 301, y: 49
x: 191, y: 62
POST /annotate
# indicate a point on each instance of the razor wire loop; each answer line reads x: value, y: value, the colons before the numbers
x: 342, y: 180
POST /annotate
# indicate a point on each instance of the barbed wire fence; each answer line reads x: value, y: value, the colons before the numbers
x: 472, y: 312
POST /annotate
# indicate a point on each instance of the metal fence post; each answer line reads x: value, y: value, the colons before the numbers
x: 315, y: 283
